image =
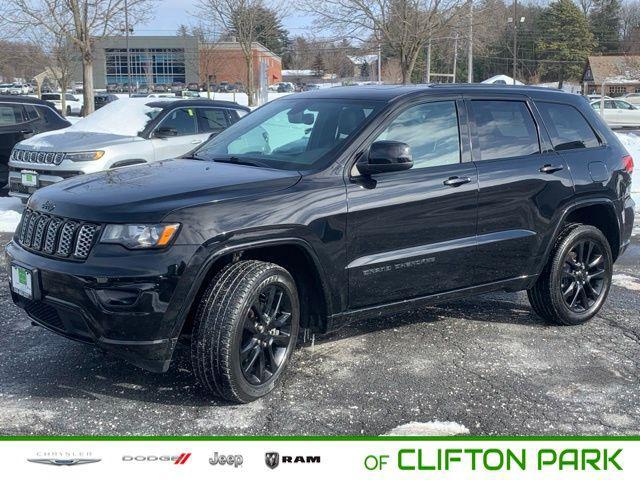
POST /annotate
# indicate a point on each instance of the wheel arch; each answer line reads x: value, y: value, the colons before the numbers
x: 597, y: 212
x: 294, y: 254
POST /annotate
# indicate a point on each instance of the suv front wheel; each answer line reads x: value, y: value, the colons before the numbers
x: 575, y: 283
x: 245, y: 330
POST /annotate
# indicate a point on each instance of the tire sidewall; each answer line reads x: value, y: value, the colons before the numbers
x: 245, y: 390
x: 579, y: 234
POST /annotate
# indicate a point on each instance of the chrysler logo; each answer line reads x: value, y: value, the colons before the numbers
x: 48, y: 206
x: 272, y: 459
x: 67, y: 462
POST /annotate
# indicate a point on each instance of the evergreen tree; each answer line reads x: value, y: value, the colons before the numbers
x: 605, y: 24
x: 318, y: 65
x: 565, y: 41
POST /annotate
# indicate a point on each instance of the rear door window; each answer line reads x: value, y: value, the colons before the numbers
x: 11, y: 114
x: 567, y: 127
x: 211, y: 120
x: 505, y: 129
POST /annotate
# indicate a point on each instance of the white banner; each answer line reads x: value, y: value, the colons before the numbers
x: 388, y: 459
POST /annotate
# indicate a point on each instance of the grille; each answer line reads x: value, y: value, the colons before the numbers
x: 29, y: 156
x: 45, y: 314
x: 56, y: 236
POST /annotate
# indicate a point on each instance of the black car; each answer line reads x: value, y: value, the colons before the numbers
x: 325, y: 207
x: 193, y: 87
x: 20, y: 118
x: 101, y: 99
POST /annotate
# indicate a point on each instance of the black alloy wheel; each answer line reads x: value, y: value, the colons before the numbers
x: 575, y: 283
x: 583, y: 278
x: 266, y: 339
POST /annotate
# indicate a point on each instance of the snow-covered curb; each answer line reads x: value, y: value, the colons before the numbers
x: 10, y: 212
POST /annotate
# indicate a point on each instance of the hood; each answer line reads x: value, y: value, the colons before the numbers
x: 69, y: 141
x: 147, y: 193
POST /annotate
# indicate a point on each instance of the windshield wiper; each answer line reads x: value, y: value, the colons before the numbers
x: 192, y: 156
x: 241, y: 161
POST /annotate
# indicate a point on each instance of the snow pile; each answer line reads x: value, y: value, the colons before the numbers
x: 428, y: 429
x: 126, y: 117
x: 501, y: 80
x: 626, y: 281
x: 632, y: 143
x: 10, y: 213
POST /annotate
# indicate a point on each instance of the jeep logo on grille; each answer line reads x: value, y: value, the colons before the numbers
x: 48, y: 206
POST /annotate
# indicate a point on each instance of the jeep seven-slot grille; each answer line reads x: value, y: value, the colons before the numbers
x: 56, y: 236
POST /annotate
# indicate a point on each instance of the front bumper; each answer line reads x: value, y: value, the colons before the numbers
x: 45, y: 178
x: 129, y: 303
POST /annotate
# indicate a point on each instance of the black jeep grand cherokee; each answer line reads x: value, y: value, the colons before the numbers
x: 323, y: 207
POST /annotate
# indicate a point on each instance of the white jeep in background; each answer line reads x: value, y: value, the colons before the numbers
x: 128, y: 132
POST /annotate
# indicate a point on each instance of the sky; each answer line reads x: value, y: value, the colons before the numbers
x: 169, y: 14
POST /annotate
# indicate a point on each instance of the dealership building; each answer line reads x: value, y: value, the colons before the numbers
x: 155, y: 60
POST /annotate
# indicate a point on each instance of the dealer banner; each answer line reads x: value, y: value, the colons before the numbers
x: 341, y: 458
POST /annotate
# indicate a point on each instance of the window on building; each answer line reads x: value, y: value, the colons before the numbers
x: 567, y: 127
x: 147, y: 65
x: 505, y: 129
x: 617, y: 90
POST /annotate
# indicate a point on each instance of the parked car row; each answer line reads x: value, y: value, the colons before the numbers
x: 123, y: 133
x: 16, y: 88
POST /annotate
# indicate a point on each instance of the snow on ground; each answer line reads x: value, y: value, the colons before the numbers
x: 428, y: 429
x: 626, y: 281
x: 10, y: 212
x: 632, y: 144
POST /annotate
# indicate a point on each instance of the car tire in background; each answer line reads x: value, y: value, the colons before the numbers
x: 245, y: 330
x: 575, y: 282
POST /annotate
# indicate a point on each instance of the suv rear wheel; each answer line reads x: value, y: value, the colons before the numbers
x: 245, y: 330
x: 575, y: 283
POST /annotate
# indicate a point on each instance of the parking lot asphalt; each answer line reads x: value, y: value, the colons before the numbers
x: 487, y: 363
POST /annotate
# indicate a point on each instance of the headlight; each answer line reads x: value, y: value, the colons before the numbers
x: 84, y: 156
x: 140, y: 236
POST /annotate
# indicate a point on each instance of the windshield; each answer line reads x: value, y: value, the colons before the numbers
x: 291, y: 134
x: 126, y: 116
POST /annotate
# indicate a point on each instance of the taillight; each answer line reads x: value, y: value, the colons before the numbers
x: 628, y: 163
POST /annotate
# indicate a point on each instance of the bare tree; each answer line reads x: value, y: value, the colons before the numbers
x: 81, y: 22
x: 62, y: 59
x: 246, y: 20
x: 404, y: 26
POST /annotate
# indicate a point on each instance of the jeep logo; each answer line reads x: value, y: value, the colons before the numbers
x: 48, y: 206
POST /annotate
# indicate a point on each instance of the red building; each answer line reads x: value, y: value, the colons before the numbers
x: 224, y: 62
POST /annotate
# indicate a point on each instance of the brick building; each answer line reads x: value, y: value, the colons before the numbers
x: 224, y: 62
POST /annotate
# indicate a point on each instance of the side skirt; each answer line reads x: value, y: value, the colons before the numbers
x: 339, y: 320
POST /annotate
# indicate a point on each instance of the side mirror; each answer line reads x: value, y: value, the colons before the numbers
x: 165, y: 132
x: 384, y: 157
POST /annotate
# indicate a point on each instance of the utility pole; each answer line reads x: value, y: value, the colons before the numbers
x: 515, y: 38
x: 379, y: 63
x: 455, y: 56
x: 470, y: 52
x: 428, y: 79
x: 126, y: 36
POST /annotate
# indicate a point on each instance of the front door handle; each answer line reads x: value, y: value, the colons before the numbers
x: 196, y: 142
x: 551, y: 168
x: 456, y: 181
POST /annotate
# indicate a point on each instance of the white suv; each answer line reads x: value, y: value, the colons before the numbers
x: 127, y: 132
x: 73, y: 103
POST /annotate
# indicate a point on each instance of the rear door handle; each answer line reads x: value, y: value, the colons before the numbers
x: 456, y: 181
x: 551, y: 168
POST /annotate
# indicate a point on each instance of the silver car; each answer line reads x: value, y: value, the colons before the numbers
x: 122, y: 133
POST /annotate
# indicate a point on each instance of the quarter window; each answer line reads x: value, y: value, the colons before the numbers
x: 505, y: 129
x: 431, y: 130
x: 183, y: 120
x: 567, y: 127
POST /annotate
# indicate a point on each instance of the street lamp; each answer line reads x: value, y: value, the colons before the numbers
x: 515, y: 36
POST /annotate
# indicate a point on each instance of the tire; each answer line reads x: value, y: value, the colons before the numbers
x: 68, y: 111
x: 234, y: 354
x: 575, y: 282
